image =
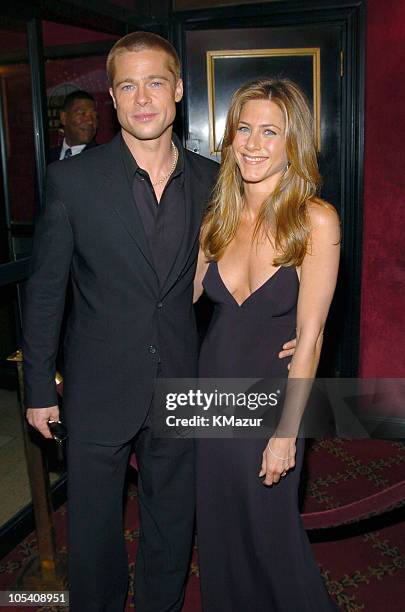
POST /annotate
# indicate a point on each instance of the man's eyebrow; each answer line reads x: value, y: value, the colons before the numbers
x: 263, y: 125
x: 147, y: 78
x: 158, y: 76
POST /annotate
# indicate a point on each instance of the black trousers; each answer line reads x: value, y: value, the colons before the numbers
x: 98, y: 563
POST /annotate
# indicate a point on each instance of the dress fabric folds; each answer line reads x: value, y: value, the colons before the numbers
x: 254, y: 552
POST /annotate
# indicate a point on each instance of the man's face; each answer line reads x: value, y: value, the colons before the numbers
x: 144, y: 93
x: 79, y: 122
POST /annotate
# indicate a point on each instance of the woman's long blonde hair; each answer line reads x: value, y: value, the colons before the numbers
x: 283, y: 215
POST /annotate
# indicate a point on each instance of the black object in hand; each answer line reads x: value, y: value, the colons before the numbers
x: 58, y: 430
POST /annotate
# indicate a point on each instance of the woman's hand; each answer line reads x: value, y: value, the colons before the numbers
x: 278, y: 458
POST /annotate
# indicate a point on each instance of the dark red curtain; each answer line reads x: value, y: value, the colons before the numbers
x: 383, y: 274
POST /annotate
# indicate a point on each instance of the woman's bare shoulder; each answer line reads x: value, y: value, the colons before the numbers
x: 322, y: 214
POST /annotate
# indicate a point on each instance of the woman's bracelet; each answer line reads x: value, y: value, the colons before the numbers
x: 278, y: 456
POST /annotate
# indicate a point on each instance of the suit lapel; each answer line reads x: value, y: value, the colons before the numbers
x: 118, y: 192
x: 195, y: 194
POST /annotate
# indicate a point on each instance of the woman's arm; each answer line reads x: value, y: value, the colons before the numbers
x: 318, y: 277
x: 202, y: 265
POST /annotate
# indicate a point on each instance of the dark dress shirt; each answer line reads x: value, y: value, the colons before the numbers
x: 164, y: 221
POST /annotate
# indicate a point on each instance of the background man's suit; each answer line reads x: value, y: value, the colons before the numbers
x: 54, y: 152
x: 124, y: 329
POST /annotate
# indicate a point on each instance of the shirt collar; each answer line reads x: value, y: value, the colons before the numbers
x: 75, y: 149
x: 131, y: 166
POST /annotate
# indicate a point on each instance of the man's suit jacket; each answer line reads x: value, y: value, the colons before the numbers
x: 54, y: 152
x: 121, y: 322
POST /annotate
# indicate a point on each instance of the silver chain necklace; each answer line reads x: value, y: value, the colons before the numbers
x: 173, y: 166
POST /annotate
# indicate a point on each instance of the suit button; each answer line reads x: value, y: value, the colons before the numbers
x: 159, y: 305
x: 152, y: 349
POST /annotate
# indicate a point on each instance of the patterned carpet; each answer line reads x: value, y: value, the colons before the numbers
x: 363, y: 564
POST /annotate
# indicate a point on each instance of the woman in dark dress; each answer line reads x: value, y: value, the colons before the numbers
x: 268, y: 260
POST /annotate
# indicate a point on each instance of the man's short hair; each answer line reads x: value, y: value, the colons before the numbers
x: 78, y: 94
x: 139, y: 41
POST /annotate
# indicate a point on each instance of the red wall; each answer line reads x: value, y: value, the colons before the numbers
x: 382, y: 351
x: 16, y: 91
x: 60, y: 34
x: 12, y: 41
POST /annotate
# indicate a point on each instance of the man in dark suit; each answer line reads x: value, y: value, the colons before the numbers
x: 79, y: 119
x: 124, y: 221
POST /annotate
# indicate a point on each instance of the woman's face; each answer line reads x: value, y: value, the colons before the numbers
x: 259, y: 143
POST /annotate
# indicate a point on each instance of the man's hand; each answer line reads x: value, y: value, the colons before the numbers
x: 288, y: 349
x: 38, y: 418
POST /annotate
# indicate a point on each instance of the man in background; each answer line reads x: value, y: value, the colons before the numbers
x: 80, y: 120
